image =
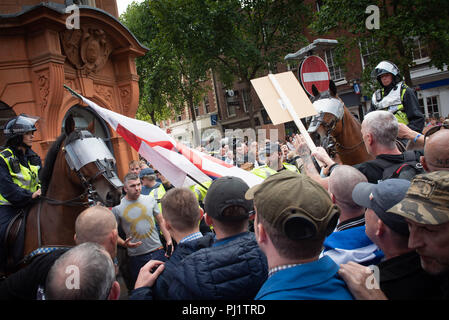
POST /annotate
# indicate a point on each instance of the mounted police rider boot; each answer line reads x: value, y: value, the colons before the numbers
x: 19, y: 173
x: 396, y: 97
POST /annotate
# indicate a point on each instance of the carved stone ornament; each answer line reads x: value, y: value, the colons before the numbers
x: 125, y: 97
x: 104, y: 92
x: 44, y: 87
x: 88, y: 49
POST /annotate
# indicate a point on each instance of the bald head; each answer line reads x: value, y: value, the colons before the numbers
x: 342, y: 181
x: 95, y: 224
x: 436, y: 151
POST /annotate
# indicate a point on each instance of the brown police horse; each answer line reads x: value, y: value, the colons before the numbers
x: 78, y: 172
x: 339, y: 131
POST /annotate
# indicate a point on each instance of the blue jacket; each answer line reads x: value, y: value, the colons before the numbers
x: 317, y: 280
x: 234, y: 270
x: 352, y: 245
x: 160, y: 289
x: 146, y: 190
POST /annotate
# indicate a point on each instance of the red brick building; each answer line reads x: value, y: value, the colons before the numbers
x: 40, y: 54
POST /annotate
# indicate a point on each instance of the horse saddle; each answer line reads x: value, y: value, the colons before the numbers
x: 15, y: 240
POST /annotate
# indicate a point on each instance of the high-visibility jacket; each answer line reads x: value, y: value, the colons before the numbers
x: 25, y: 177
x: 392, y: 102
x: 157, y: 194
x: 265, y: 171
x: 290, y: 167
x: 199, y: 191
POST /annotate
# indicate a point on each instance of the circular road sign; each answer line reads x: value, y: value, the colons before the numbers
x: 314, y: 70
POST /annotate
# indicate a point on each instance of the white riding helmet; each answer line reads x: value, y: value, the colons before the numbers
x: 386, y: 67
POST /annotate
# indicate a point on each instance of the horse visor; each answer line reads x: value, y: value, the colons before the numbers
x: 329, y: 105
x: 83, y: 151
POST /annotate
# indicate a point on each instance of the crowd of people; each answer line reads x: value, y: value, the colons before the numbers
x: 375, y: 230
x: 248, y: 155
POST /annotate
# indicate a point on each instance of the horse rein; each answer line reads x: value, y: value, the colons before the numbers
x: 90, y: 194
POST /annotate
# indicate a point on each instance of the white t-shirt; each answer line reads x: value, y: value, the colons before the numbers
x: 137, y: 220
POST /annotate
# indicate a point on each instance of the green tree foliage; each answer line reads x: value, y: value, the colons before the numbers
x: 157, y: 70
x: 402, y: 23
x: 238, y: 39
x: 169, y: 76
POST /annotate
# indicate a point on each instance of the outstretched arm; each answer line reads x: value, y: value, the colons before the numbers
x: 128, y: 243
x: 309, y: 167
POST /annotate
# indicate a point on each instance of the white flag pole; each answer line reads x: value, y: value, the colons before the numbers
x: 286, y: 104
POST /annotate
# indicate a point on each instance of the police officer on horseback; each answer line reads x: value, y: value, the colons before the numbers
x: 19, y: 172
x: 396, y: 97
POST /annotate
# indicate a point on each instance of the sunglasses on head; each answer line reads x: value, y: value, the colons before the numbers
x: 434, y: 129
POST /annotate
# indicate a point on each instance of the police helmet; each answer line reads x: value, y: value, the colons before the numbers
x: 386, y: 67
x: 20, y: 125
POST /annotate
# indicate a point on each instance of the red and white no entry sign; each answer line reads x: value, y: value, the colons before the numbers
x: 314, y: 71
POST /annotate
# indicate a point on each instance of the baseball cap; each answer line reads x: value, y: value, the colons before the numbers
x: 225, y: 192
x: 146, y: 172
x: 295, y: 205
x: 427, y: 199
x: 380, y: 198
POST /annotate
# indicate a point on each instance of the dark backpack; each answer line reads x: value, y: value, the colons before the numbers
x: 407, y: 169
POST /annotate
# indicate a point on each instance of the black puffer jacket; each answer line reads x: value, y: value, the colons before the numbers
x: 235, y: 271
x: 160, y: 289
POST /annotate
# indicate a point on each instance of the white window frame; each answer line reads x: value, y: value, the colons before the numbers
x: 333, y: 68
x: 421, y: 59
x: 426, y: 105
x: 365, y: 48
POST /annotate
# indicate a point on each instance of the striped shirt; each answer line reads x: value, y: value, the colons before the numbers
x: 351, y: 223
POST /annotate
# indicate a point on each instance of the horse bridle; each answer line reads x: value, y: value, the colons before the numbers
x: 329, y: 142
x: 89, y: 197
x: 332, y: 149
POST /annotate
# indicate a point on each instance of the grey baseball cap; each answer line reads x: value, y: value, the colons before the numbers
x: 381, y: 198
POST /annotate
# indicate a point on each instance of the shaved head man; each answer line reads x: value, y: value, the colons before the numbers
x: 349, y: 241
x: 342, y: 181
x: 436, y: 152
x: 97, y: 224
